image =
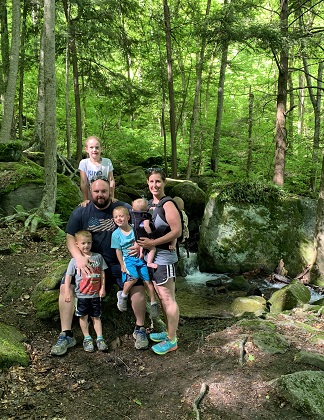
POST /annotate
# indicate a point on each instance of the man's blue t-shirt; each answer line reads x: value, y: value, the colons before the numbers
x: 100, y: 223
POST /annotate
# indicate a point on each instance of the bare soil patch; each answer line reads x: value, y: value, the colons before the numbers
x: 125, y: 383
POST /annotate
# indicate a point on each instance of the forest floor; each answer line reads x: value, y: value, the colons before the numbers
x: 125, y: 383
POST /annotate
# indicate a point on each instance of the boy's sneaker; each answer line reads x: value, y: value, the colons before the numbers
x: 101, y: 344
x: 141, y: 341
x: 165, y: 346
x: 121, y: 302
x: 154, y: 310
x: 63, y: 343
x: 88, y: 345
x: 158, y: 337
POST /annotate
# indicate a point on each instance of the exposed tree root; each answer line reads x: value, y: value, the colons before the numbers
x: 197, y: 401
x: 242, y: 350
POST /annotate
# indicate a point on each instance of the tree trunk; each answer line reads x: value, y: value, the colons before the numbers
x: 174, y: 162
x: 219, y: 110
x: 290, y: 122
x: 9, y: 98
x: 39, y: 144
x: 74, y: 57
x: 4, y: 63
x: 281, y: 132
x: 199, y: 69
x: 21, y: 71
x: 317, y: 271
x: 67, y: 91
x: 250, y: 126
x: 316, y: 103
x: 50, y: 163
x: 301, y: 102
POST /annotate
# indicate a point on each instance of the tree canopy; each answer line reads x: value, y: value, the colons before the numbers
x: 174, y: 79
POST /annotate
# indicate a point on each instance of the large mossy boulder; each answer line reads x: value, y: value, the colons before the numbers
x: 135, y: 177
x: 194, y: 198
x: 241, y: 232
x: 46, y: 293
x: 249, y: 304
x: 291, y: 296
x: 22, y: 183
x: 12, y: 350
x: 310, y: 358
x: 270, y: 342
x: 11, y: 151
x: 304, y: 391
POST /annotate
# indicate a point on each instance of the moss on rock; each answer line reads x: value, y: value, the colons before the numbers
x: 12, y: 351
x: 304, y: 391
x: 291, y: 296
x: 270, y: 342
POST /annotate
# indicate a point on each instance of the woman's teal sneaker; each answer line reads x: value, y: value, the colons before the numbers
x: 165, y: 346
x: 157, y: 337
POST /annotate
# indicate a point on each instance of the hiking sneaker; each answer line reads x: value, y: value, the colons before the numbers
x: 165, y: 346
x: 101, y: 344
x: 121, y: 302
x: 141, y: 341
x: 63, y: 343
x: 88, y: 345
x: 154, y: 310
x: 157, y: 337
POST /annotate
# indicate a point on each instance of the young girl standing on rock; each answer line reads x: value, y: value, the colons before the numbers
x: 94, y: 167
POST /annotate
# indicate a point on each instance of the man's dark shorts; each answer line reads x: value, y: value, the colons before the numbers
x: 113, y: 276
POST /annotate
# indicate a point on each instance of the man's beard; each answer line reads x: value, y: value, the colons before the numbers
x: 102, y: 204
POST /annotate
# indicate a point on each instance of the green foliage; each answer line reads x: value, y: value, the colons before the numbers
x: 251, y: 192
x: 33, y: 221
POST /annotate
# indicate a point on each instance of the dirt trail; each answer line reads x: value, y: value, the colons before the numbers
x: 128, y: 384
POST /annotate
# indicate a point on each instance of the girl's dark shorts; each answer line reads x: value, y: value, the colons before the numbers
x: 162, y: 273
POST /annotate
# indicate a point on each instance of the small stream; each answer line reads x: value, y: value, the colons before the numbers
x: 195, y: 299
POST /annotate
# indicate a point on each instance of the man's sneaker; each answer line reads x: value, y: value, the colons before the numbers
x: 122, y: 302
x: 165, y: 346
x: 63, y: 343
x: 101, y: 344
x: 88, y: 345
x: 157, y: 337
x: 141, y: 341
x: 154, y: 310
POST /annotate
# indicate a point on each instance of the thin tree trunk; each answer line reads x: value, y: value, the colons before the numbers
x: 74, y: 58
x: 9, y: 98
x: 39, y: 142
x: 174, y: 162
x: 316, y: 103
x: 50, y: 162
x: 4, y: 63
x: 317, y: 270
x: 67, y: 91
x: 301, y: 102
x: 250, y: 126
x: 219, y: 109
x: 281, y: 132
x: 199, y: 69
x: 21, y: 71
x: 290, y: 139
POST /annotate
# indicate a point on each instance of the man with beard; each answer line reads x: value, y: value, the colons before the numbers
x: 97, y: 218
